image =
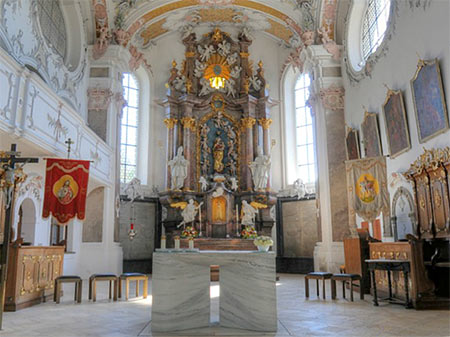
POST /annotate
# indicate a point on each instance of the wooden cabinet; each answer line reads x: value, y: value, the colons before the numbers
x: 439, y: 197
x: 31, y: 275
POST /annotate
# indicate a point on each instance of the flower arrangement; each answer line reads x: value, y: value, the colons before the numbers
x: 265, y: 241
x: 249, y: 232
x: 189, y: 232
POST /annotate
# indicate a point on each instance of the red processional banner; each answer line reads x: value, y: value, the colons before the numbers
x: 66, y: 182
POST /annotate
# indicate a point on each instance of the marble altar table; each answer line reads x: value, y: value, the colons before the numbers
x: 181, y: 288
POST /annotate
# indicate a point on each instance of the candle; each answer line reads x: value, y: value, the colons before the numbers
x: 163, y: 242
x: 237, y: 214
x: 191, y: 243
x: 177, y: 242
x: 200, y: 214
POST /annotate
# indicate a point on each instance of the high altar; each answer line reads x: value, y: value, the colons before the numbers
x: 218, y: 121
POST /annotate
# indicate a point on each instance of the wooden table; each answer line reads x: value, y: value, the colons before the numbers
x: 390, y: 265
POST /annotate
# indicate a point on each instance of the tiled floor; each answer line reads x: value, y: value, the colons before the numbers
x: 297, y: 317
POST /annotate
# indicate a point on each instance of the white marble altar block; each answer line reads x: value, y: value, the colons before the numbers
x: 248, y: 292
x: 180, y: 292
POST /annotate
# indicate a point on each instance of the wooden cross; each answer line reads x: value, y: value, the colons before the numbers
x: 69, y: 142
x: 8, y: 163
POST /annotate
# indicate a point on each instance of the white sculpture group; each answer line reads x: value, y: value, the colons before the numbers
x: 298, y: 189
x: 178, y: 169
x: 260, y: 168
x: 189, y: 212
x: 249, y: 214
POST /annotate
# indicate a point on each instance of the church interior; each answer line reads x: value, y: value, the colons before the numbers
x: 214, y: 167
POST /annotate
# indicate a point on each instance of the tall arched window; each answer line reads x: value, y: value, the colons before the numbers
x: 52, y: 24
x: 306, y: 159
x: 374, y: 25
x: 129, y: 129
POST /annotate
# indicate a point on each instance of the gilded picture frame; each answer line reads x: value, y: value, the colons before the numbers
x: 429, y: 100
x: 352, y: 144
x: 396, y: 123
x: 371, y: 135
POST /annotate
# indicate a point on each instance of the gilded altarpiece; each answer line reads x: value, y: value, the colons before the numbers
x: 218, y: 110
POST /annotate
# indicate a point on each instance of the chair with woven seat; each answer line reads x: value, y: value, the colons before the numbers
x: 344, y: 278
x: 317, y: 275
x: 127, y: 277
x: 68, y: 279
x: 102, y: 277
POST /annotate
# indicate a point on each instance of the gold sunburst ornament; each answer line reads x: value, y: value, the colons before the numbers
x: 217, y: 72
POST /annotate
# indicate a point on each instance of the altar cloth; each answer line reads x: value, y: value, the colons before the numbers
x: 180, y: 290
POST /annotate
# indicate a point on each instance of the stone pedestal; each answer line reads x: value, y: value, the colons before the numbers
x: 180, y: 290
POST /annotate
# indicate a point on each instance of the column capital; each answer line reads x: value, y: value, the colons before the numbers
x: 189, y: 123
x: 265, y: 122
x: 170, y: 122
x: 247, y: 122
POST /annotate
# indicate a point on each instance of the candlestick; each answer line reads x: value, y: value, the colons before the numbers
x: 163, y: 242
x: 177, y: 242
x: 191, y: 243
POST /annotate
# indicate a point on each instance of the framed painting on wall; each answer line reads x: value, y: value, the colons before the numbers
x: 371, y: 135
x: 352, y: 144
x: 396, y: 123
x: 429, y: 100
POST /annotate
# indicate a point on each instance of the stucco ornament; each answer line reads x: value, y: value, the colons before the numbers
x: 333, y: 97
x: 99, y: 99
x: 298, y: 189
x: 133, y: 190
x: 101, y: 43
x: 329, y: 44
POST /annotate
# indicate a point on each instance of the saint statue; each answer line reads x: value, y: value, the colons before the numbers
x: 249, y: 213
x: 65, y: 193
x: 178, y: 168
x: 204, y: 183
x: 218, y: 148
x: 189, y: 212
x: 260, y: 170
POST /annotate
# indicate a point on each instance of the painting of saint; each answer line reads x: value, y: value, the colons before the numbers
x: 396, y: 123
x: 371, y: 135
x: 352, y: 143
x: 429, y: 101
x: 65, y: 193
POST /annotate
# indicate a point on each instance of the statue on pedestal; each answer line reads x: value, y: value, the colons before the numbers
x: 178, y: 166
x: 260, y: 170
x: 189, y: 212
x: 249, y: 213
x: 218, y: 149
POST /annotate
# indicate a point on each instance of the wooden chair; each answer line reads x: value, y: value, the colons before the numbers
x: 133, y: 277
x: 68, y: 279
x: 346, y: 278
x: 317, y: 275
x: 102, y: 277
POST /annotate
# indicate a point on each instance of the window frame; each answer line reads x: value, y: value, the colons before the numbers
x: 309, y: 123
x: 122, y: 141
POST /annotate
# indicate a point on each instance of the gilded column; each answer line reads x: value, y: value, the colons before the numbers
x: 247, y: 151
x: 170, y: 124
x: 189, y: 128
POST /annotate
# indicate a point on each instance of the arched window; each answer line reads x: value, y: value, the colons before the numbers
x: 129, y: 129
x: 374, y: 25
x: 305, y: 148
x: 52, y: 24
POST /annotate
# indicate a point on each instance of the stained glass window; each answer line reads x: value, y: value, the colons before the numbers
x: 129, y: 129
x: 374, y: 25
x: 52, y: 24
x: 306, y: 162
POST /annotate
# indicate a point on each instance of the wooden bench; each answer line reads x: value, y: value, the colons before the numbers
x: 317, y: 275
x: 133, y: 277
x: 68, y: 279
x: 344, y: 278
x: 102, y: 277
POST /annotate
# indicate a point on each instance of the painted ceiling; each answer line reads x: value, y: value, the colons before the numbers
x: 143, y: 22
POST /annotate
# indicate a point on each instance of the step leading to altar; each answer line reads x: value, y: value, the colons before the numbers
x: 220, y: 244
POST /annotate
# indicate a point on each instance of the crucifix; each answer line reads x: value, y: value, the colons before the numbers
x: 69, y: 142
x: 8, y: 161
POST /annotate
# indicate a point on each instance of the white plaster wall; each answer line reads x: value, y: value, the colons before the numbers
x: 170, y: 48
x: 417, y: 31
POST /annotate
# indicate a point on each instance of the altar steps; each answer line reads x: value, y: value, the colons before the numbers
x: 220, y: 244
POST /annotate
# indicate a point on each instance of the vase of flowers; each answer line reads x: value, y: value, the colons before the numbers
x: 249, y: 232
x: 189, y: 232
x: 263, y: 243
